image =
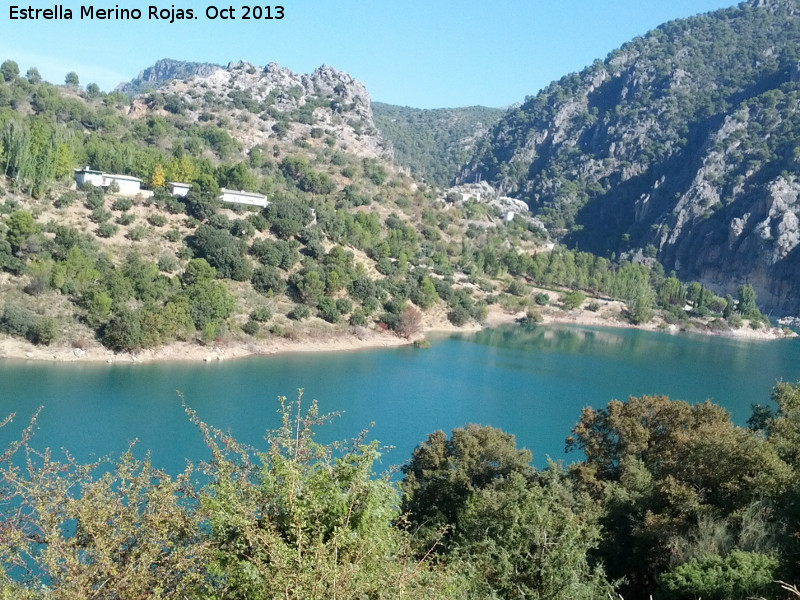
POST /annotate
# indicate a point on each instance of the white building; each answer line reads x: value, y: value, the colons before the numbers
x: 242, y: 197
x: 87, y: 175
x: 128, y: 186
x: 179, y: 189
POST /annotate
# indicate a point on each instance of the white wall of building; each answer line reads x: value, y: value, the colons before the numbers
x: 244, y: 198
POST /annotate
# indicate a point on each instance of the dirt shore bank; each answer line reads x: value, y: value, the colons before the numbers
x: 608, y: 315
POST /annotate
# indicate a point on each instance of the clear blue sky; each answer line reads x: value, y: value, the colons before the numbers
x: 422, y: 53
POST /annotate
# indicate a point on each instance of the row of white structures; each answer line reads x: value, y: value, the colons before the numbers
x: 131, y: 186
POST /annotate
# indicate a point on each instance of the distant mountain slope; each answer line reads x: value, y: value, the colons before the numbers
x: 434, y: 143
x: 682, y: 144
x: 165, y: 69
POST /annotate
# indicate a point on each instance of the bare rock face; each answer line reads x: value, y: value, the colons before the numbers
x: 682, y: 143
x: 753, y: 240
x: 779, y: 229
x: 504, y: 207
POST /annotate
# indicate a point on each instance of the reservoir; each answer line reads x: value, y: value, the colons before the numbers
x: 529, y: 381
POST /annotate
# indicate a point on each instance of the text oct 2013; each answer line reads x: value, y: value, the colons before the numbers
x: 153, y: 13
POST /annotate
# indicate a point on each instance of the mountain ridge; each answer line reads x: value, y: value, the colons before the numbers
x: 163, y: 70
x: 666, y: 146
x: 430, y: 143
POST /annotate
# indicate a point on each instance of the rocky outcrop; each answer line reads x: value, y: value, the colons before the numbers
x: 164, y: 70
x: 268, y: 101
x: 504, y: 207
x: 681, y: 143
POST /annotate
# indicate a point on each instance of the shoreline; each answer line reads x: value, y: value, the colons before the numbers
x: 16, y: 349
x: 13, y: 349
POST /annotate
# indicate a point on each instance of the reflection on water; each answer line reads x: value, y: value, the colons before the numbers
x: 530, y: 381
x: 629, y: 344
x: 555, y: 338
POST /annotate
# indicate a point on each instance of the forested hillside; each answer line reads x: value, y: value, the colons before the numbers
x: 681, y: 145
x: 433, y: 143
x: 348, y: 246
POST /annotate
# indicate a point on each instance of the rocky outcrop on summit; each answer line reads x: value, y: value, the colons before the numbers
x: 681, y: 144
x: 273, y: 101
x: 165, y: 69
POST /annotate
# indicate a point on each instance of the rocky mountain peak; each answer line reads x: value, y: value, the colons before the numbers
x: 162, y: 71
x: 268, y: 98
x: 680, y: 145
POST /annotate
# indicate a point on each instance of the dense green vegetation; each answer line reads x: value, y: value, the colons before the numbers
x: 346, y: 242
x: 434, y: 143
x: 156, y: 269
x: 668, y: 500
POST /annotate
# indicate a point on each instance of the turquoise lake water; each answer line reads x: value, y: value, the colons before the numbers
x: 531, y: 382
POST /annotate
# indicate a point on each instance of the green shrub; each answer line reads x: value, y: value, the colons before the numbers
x: 300, y: 312
x: 167, y: 263
x: 262, y: 314
x: 516, y: 288
x: 288, y: 218
x: 718, y: 325
x: 370, y: 305
x: 137, y: 233
x: 224, y: 252
x: 173, y: 235
x: 174, y: 206
x: 17, y: 321
x: 107, y: 230
x: 327, y: 310
x: 243, y: 228
x: 276, y: 253
x: 358, y: 319
x: 258, y: 222
x: 126, y: 219
x: 220, y: 221
x: 44, y: 332
x: 251, y: 327
x: 736, y: 321
x: 532, y: 317
x: 344, y: 306
x: 737, y: 576
x: 66, y: 199
x: 122, y: 204
x: 94, y: 197
x: 572, y: 300
x: 268, y: 280
x: 459, y: 316
x: 100, y: 215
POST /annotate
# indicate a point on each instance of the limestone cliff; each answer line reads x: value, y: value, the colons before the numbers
x: 680, y: 145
